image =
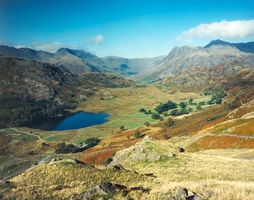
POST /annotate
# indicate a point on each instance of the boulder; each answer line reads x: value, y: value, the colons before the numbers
x: 171, y: 155
x: 184, y: 194
x: 181, y: 194
x: 153, y: 156
x: 102, y: 189
x: 119, y: 167
x: 180, y: 149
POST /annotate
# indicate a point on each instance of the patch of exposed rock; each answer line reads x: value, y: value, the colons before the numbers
x: 104, y: 188
x: 184, y: 194
x: 137, y: 152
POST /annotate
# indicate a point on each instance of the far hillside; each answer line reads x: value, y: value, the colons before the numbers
x: 32, y: 90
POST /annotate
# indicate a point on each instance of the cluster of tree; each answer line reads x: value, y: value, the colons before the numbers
x: 145, y: 111
x: 18, y: 112
x: 217, y: 97
x: 92, y: 142
x: 208, y: 91
x: 181, y: 108
x: 67, y: 148
x: 137, y: 134
x: 177, y: 112
x: 71, y: 148
x: 165, y: 107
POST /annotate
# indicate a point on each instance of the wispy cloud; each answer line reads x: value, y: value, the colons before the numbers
x: 7, y: 43
x: 97, y: 39
x: 223, y: 30
x: 47, y: 46
x: 44, y: 46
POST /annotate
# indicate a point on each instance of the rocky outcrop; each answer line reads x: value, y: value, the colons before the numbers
x: 139, y: 151
x: 105, y: 188
x: 184, y: 194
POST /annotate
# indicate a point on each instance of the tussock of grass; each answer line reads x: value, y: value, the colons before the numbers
x: 41, y: 181
x: 216, y: 172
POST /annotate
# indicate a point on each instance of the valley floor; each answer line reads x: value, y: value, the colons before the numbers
x: 218, y: 160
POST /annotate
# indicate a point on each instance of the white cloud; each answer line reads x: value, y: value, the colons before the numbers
x: 7, y: 43
x: 44, y: 46
x: 97, y: 39
x: 179, y: 39
x: 223, y: 30
x: 48, y: 46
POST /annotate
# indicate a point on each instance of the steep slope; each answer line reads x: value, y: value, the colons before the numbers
x: 182, y: 58
x: 30, y: 79
x: 76, y: 61
x: 31, y: 90
x: 197, y: 78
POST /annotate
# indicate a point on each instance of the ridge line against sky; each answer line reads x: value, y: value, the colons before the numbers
x: 141, y: 28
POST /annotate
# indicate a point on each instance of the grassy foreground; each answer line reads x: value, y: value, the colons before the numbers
x: 220, y: 174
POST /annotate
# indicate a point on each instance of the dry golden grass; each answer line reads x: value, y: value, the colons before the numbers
x: 225, y: 177
x: 62, y: 179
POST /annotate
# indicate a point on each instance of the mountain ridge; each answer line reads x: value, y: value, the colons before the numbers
x: 185, y: 57
x: 80, y: 61
x: 247, y: 47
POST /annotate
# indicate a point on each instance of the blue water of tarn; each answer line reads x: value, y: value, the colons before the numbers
x: 81, y: 120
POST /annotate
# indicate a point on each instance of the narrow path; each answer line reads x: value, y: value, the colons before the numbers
x: 230, y: 135
x: 104, y: 150
x: 25, y: 132
x: 6, y: 147
x: 19, y: 172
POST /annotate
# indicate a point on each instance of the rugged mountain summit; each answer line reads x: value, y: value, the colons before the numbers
x: 244, y: 47
x: 217, y: 52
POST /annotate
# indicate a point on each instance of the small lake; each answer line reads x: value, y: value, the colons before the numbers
x: 74, y: 121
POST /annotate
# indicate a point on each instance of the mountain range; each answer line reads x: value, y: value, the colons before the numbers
x: 215, y: 53
x: 142, y: 69
x: 80, y: 61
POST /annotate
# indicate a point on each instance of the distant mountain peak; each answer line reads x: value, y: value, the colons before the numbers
x: 217, y: 42
x: 244, y: 47
x: 71, y: 51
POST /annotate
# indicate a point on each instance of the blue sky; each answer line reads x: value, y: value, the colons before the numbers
x: 127, y: 28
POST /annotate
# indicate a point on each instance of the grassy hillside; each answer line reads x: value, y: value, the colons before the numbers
x: 208, y: 151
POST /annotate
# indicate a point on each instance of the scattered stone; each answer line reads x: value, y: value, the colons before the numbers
x: 73, y: 197
x: 55, y: 159
x: 153, y: 156
x: 79, y: 162
x: 171, y: 155
x: 150, y: 175
x: 141, y: 189
x: 180, y: 149
x: 147, y: 138
x: 61, y: 187
x: 184, y: 194
x: 102, y: 189
x: 119, y: 167
x: 181, y: 194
